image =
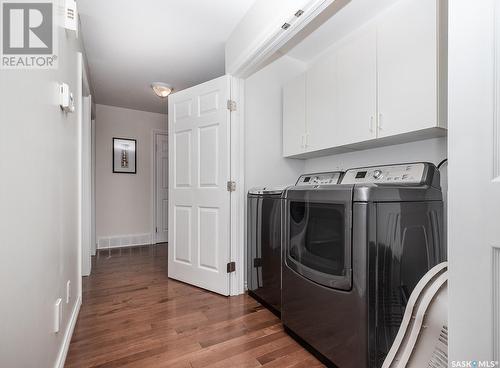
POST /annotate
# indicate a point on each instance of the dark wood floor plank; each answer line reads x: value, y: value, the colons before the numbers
x: 134, y: 316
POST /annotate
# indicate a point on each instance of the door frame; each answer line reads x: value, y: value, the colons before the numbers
x: 84, y: 112
x: 93, y: 238
x: 238, y: 197
x: 154, y: 133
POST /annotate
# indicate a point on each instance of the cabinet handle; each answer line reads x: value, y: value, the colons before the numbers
x: 307, y: 140
x: 380, y: 116
x: 303, y: 145
x: 370, y: 126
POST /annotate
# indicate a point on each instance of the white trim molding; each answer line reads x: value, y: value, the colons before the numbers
x: 271, y: 41
x: 79, y: 98
x: 238, y: 197
x: 63, y: 352
x: 496, y: 303
x: 121, y: 241
x: 496, y: 100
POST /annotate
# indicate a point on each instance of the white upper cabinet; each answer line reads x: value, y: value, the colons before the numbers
x: 407, y: 54
x: 356, y: 71
x: 385, y: 80
x: 321, y: 106
x: 294, y: 116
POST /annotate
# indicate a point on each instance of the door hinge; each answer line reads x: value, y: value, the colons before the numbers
x: 156, y: 229
x: 231, y: 267
x: 231, y: 186
x: 257, y: 262
x: 231, y: 105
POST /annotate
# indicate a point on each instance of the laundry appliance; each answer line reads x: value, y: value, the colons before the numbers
x: 264, y: 205
x: 353, y: 253
x: 264, y: 240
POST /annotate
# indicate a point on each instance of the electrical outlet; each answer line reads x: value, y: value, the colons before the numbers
x: 57, y: 315
x: 68, y: 291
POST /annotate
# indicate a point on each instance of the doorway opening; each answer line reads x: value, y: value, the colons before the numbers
x: 160, y: 186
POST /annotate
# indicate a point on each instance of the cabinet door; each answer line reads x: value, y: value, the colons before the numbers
x: 407, y: 67
x: 321, y: 97
x: 294, y: 116
x: 357, y: 88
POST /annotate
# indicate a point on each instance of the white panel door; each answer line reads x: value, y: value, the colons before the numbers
x: 199, y: 203
x: 474, y: 177
x: 294, y: 116
x: 407, y: 67
x: 161, y: 188
x: 321, y: 104
x: 357, y: 84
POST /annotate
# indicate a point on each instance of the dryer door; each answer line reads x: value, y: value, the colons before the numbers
x: 318, y: 234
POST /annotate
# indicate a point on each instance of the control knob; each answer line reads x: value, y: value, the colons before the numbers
x: 377, y: 174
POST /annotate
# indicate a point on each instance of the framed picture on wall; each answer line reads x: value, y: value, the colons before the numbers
x: 124, y: 156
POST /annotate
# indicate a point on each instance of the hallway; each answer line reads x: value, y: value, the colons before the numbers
x: 134, y: 316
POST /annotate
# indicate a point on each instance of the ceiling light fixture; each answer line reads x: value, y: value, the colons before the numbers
x: 161, y: 89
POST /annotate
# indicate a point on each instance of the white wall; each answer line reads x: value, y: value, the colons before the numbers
x: 264, y: 162
x: 39, y: 209
x: 123, y: 201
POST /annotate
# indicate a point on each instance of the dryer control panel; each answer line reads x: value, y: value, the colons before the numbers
x: 320, y: 178
x: 390, y: 174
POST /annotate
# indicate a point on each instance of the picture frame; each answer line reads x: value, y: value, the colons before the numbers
x: 124, y: 155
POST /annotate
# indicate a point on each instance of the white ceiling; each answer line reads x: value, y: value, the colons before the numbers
x: 130, y: 44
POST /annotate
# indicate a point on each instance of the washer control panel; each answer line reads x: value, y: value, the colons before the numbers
x: 391, y: 174
x: 319, y: 179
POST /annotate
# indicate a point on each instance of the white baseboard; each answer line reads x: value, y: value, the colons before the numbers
x: 120, y: 241
x: 156, y: 240
x: 61, y: 358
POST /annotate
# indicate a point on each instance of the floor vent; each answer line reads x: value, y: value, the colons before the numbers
x: 439, y: 357
x: 119, y: 241
x: 443, y: 336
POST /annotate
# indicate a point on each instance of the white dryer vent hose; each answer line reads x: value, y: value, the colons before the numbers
x: 422, y: 339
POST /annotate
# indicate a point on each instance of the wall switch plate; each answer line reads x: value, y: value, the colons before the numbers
x: 66, y: 99
x: 68, y: 291
x: 57, y: 315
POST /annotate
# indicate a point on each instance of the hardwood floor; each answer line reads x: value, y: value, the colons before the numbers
x: 134, y: 316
